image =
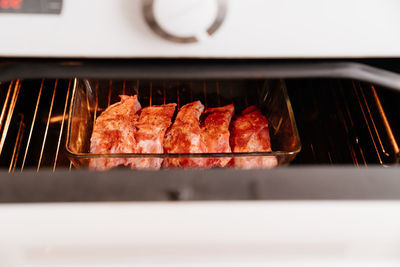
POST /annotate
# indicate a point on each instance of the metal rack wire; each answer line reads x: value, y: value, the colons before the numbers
x: 342, y: 122
x: 155, y: 92
x: 34, y: 124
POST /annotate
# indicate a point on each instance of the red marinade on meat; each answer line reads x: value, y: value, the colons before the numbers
x: 249, y: 133
x: 151, y: 126
x: 215, y: 135
x: 184, y: 136
x: 113, y: 132
x: 126, y: 128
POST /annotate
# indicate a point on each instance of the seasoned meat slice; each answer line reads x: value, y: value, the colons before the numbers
x: 184, y: 136
x: 215, y: 126
x: 114, y: 132
x: 151, y: 126
x: 249, y: 133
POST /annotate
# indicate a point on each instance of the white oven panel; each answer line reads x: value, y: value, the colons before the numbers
x: 283, y: 234
x: 250, y: 29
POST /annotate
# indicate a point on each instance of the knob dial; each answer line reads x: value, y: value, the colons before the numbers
x: 184, y: 21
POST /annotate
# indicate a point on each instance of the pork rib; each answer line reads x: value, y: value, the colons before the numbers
x: 215, y: 127
x: 184, y: 136
x: 151, y: 126
x: 249, y: 133
x: 114, y: 131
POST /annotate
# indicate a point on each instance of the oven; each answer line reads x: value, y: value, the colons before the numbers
x: 327, y: 77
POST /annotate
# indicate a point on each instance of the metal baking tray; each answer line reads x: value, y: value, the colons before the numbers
x: 91, y: 97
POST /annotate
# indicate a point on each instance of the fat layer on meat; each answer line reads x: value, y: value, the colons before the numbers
x: 184, y: 136
x: 249, y: 133
x: 151, y: 126
x: 114, y: 133
x: 215, y: 135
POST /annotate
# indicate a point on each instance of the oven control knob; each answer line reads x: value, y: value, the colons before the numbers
x: 184, y: 21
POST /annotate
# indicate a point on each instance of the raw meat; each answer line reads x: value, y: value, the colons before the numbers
x: 114, y: 133
x: 215, y: 127
x: 184, y: 136
x: 151, y: 126
x: 249, y: 133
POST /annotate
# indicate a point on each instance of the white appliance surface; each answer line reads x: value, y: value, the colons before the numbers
x: 252, y: 29
x: 274, y: 233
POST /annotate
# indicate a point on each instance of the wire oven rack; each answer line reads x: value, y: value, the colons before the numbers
x: 343, y: 122
x: 340, y: 122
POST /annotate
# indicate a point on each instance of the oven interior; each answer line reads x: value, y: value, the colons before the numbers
x: 340, y: 121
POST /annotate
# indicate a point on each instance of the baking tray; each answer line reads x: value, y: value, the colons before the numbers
x: 91, y: 97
